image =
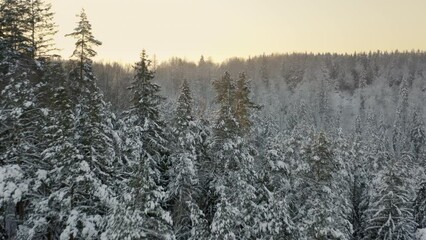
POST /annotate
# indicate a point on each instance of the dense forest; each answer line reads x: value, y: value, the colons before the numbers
x: 282, y: 146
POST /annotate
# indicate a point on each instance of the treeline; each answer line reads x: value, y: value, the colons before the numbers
x: 252, y: 166
x: 280, y: 82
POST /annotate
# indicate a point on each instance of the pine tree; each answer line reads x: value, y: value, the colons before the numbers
x: 41, y: 28
x: 85, y: 42
x: 226, y: 125
x: 14, y: 26
x: 86, y: 174
x: 243, y: 105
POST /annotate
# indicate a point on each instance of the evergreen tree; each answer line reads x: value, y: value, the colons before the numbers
x: 233, y: 171
x: 20, y: 128
x: 390, y: 213
x: 323, y: 213
x: 420, y: 206
x: 234, y: 186
x: 359, y: 181
x: 44, y: 221
x: 273, y: 216
x: 145, y: 150
x: 243, y: 105
x: 226, y: 125
x: 86, y: 176
x: 183, y: 190
x: 41, y: 28
x: 418, y: 135
x: 14, y: 26
x: 85, y: 42
x: 264, y: 73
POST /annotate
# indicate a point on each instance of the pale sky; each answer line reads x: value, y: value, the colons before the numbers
x: 240, y: 28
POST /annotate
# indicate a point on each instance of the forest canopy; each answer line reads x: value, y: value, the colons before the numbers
x: 281, y: 146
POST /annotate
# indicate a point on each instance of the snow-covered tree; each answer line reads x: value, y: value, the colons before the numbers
x: 272, y: 217
x: 358, y: 183
x: 390, y: 212
x: 323, y: 215
x: 44, y: 218
x: 20, y: 129
x: 184, y: 188
x: 85, y: 169
x: 145, y: 151
x: 234, y: 176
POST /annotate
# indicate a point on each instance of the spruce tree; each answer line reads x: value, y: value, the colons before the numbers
x: 21, y: 118
x: 234, y: 177
x: 142, y: 214
x: 44, y: 221
x: 273, y: 216
x: 87, y: 174
x: 323, y: 216
x: 184, y: 188
x: 358, y: 190
x: 390, y: 213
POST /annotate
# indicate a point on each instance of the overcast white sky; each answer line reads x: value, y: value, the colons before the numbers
x: 228, y: 28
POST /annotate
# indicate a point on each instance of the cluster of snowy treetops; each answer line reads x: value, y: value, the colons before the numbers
x: 71, y: 168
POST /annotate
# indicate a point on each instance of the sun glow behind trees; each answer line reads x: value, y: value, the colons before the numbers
x: 223, y: 29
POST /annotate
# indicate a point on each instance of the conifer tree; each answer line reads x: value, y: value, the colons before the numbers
x: 14, y: 26
x: 420, y: 206
x: 226, y: 125
x: 44, y: 221
x: 183, y: 189
x: 264, y: 73
x: 20, y: 115
x: 87, y: 174
x: 390, y: 212
x: 41, y: 28
x: 272, y: 214
x: 84, y: 45
x: 322, y: 219
x: 359, y: 191
x: 418, y: 135
x: 243, y: 105
x: 233, y: 170
x: 145, y: 151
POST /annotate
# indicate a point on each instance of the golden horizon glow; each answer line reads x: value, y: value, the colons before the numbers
x: 223, y: 29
